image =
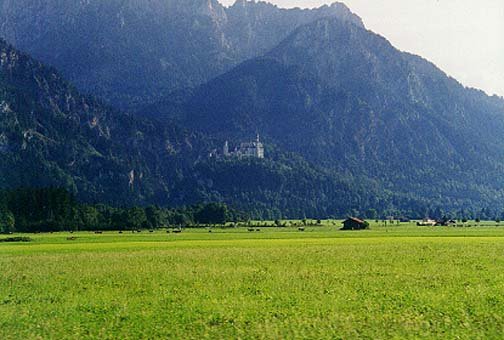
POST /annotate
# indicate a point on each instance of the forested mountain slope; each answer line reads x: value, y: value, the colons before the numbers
x: 345, y: 98
x: 349, y: 122
x: 52, y: 136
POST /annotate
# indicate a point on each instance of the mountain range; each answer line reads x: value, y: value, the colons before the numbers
x: 53, y: 136
x: 130, y: 52
x: 343, y: 97
x: 350, y: 123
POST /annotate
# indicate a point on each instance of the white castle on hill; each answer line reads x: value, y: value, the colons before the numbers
x: 249, y: 149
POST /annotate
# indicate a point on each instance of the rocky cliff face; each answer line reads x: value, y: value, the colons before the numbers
x: 50, y: 135
x: 256, y: 27
x: 132, y: 52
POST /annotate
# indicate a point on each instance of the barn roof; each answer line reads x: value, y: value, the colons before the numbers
x: 355, y: 219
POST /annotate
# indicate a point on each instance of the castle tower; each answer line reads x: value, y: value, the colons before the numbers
x: 225, y: 149
x: 259, y: 148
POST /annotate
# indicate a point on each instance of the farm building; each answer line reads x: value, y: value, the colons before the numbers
x: 427, y: 222
x: 353, y: 223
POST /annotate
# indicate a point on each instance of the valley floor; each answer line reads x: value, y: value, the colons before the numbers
x: 388, y: 282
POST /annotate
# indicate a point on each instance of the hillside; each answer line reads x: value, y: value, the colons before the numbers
x: 52, y: 136
x: 345, y: 98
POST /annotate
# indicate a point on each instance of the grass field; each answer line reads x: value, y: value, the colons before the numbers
x: 395, y: 282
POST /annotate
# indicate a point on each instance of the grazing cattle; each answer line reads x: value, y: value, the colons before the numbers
x: 301, y: 229
x: 177, y: 231
x: 258, y: 229
x: 98, y: 232
x: 251, y: 229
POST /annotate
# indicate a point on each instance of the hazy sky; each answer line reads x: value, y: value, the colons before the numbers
x: 465, y: 38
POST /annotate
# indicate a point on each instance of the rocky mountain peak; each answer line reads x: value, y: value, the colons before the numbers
x: 212, y: 9
x: 342, y: 12
x: 262, y: 9
x: 167, y: 44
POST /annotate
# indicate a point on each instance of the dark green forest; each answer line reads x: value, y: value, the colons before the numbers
x: 31, y: 210
x: 53, y: 209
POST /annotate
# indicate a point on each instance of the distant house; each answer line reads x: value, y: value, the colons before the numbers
x: 353, y: 223
x: 427, y: 222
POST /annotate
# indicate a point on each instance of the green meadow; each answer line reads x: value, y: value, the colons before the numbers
x: 387, y: 282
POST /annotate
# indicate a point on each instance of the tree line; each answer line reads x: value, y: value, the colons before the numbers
x: 54, y: 209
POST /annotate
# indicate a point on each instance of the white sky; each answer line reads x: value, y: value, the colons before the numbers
x: 465, y: 38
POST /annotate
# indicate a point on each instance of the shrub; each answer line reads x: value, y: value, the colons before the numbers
x: 16, y: 239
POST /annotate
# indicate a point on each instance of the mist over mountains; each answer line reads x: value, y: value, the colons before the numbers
x: 350, y: 123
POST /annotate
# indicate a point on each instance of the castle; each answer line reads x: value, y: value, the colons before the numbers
x: 249, y: 149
